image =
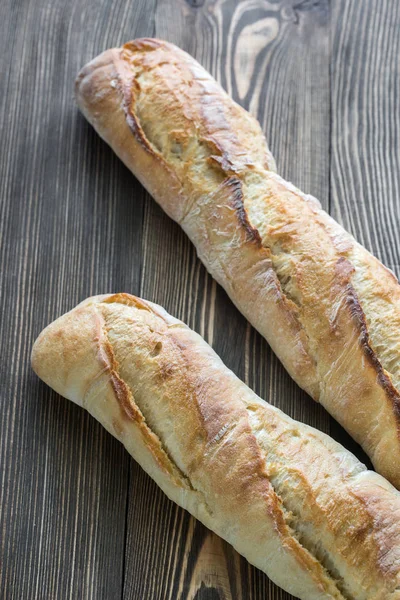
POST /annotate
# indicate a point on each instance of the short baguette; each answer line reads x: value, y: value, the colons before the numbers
x: 328, y: 308
x: 290, y: 499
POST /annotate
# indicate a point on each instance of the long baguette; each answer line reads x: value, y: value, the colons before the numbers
x: 328, y: 308
x: 290, y: 499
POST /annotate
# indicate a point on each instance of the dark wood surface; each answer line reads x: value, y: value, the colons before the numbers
x: 78, y: 518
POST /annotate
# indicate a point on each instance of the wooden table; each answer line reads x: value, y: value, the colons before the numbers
x: 79, y: 519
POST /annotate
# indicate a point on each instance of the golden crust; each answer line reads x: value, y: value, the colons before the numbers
x: 289, y: 498
x: 330, y: 311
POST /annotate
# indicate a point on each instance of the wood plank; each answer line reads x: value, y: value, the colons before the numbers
x: 274, y: 60
x: 365, y: 157
x: 70, y: 226
x: 366, y: 124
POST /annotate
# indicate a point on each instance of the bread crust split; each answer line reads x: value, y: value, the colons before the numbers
x: 290, y: 499
x: 328, y: 308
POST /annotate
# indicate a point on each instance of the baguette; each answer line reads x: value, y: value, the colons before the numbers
x: 327, y: 307
x: 294, y: 502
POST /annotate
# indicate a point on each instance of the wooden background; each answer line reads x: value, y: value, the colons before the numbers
x: 78, y: 518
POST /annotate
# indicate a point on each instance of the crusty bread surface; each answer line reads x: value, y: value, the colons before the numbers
x: 295, y: 503
x: 328, y: 308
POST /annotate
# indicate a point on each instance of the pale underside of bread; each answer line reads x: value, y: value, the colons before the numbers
x: 328, y: 308
x: 290, y: 499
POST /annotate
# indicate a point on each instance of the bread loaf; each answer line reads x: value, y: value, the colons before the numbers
x: 328, y: 308
x: 290, y: 499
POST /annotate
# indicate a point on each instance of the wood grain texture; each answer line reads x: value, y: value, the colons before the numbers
x: 366, y: 125
x: 365, y: 157
x: 78, y: 518
x: 69, y: 228
x: 256, y: 50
